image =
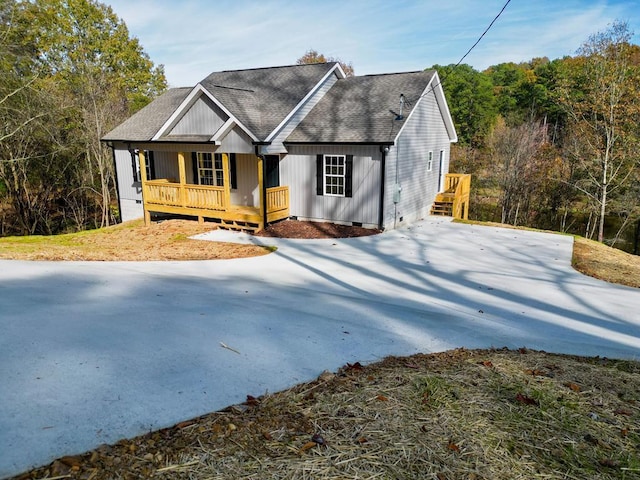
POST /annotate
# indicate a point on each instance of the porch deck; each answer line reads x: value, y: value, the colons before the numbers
x: 203, y: 201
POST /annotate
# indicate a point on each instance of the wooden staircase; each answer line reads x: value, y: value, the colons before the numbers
x: 454, y: 201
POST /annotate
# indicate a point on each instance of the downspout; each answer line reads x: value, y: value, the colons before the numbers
x: 115, y: 176
x: 383, y: 162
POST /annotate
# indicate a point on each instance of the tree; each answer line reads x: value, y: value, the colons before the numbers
x: 471, y: 102
x: 600, y: 94
x: 312, y: 56
x: 77, y: 57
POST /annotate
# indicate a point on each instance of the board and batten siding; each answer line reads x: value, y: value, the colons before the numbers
x: 203, y: 118
x: 276, y: 143
x: 423, y: 132
x: 298, y: 171
x: 247, y: 192
x: 129, y: 191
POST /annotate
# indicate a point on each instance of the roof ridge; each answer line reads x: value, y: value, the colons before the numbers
x: 275, y: 67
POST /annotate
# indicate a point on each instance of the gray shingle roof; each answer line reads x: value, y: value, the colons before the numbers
x: 362, y: 109
x: 261, y: 98
x: 144, y: 124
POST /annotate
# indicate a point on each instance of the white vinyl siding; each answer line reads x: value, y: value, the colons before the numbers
x: 424, y: 132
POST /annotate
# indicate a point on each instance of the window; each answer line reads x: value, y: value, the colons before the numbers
x: 209, y: 169
x: 430, y: 162
x: 334, y: 174
x: 149, y: 165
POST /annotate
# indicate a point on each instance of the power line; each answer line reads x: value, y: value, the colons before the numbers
x: 483, y: 33
x: 470, y: 49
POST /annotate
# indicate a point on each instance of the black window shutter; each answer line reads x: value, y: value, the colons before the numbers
x: 194, y: 165
x: 134, y: 167
x: 233, y: 171
x: 319, y: 174
x: 152, y: 165
x: 348, y: 174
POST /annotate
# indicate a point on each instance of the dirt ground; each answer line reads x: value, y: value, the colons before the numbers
x: 301, y: 229
x: 163, y: 240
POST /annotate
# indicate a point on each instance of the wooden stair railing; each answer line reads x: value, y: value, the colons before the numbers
x: 454, y: 201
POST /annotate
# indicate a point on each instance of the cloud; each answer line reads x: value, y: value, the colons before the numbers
x: 194, y: 38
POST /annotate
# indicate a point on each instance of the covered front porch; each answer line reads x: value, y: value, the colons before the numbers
x: 214, y: 200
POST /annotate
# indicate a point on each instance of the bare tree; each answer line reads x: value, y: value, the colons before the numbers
x: 601, y: 97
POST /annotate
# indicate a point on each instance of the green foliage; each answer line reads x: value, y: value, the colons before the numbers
x: 471, y: 101
x: 69, y: 72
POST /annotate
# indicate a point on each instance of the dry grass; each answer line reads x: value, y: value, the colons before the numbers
x: 606, y: 263
x: 487, y: 414
x: 130, y: 241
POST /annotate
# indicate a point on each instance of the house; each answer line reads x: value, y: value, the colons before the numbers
x: 248, y: 147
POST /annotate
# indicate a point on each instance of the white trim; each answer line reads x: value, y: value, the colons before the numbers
x: 188, y: 102
x: 223, y: 130
x: 335, y: 69
x: 343, y: 176
x: 442, y: 105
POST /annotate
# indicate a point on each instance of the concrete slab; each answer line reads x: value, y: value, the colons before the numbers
x: 91, y: 352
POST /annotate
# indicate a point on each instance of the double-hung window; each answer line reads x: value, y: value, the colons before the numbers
x: 210, y: 170
x: 334, y: 175
x: 148, y: 165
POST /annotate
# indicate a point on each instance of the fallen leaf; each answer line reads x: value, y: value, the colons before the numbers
x: 251, y: 400
x: 607, y: 462
x: 452, y: 446
x: 186, y: 424
x: 624, y: 432
x: 362, y: 440
x: 535, y: 373
x: 486, y: 363
x: 267, y: 436
x: 572, y: 386
x: 526, y: 400
x: 317, y: 438
x: 523, y: 350
x: 307, y: 446
x: 382, y: 398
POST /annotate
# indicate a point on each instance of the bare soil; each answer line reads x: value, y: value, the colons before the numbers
x: 485, y: 414
x: 302, y: 229
x: 164, y: 240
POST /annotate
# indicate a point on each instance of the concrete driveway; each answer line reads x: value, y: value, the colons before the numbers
x: 93, y: 352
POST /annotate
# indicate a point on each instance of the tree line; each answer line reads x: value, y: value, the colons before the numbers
x: 69, y: 72
x: 554, y: 144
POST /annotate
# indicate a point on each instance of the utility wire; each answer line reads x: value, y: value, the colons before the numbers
x: 483, y: 33
x: 470, y: 49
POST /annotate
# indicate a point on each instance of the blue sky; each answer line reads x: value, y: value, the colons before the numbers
x: 193, y: 38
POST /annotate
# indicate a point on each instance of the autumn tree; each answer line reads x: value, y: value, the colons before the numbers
x: 601, y: 95
x: 78, y: 57
x: 312, y: 56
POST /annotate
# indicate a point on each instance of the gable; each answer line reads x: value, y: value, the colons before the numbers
x: 203, y: 118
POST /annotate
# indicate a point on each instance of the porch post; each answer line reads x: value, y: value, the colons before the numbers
x: 182, y: 172
x: 143, y: 176
x: 226, y: 181
x: 263, y: 196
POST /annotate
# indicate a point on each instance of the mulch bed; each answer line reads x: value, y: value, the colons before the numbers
x: 305, y: 229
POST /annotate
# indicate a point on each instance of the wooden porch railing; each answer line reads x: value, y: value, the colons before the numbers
x: 460, y: 185
x: 162, y: 192
x: 277, y: 199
